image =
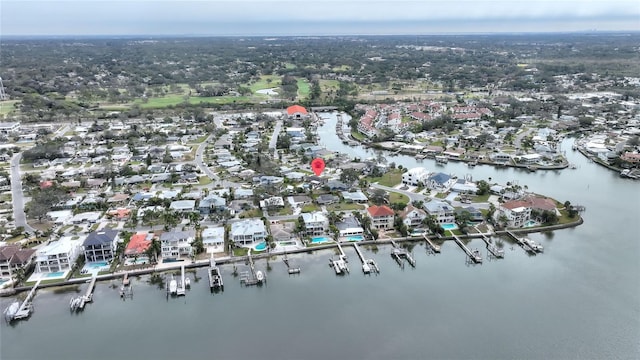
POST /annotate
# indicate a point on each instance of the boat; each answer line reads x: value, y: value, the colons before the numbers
x: 173, y: 286
x: 476, y: 256
x: 441, y: 159
x: 259, y: 276
x: 472, y: 163
x: 537, y: 247
x: 420, y: 156
x: 187, y: 282
x: 11, y: 311
x: 215, y: 278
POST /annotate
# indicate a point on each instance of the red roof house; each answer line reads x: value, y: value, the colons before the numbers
x: 381, y: 216
x: 137, y: 245
x: 296, y: 111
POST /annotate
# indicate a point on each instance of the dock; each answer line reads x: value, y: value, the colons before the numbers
x: 215, y: 277
x: 126, y: 290
x: 254, y: 277
x: 430, y: 244
x: 474, y: 256
x: 398, y: 254
x: 181, y: 291
x: 526, y: 245
x: 339, y: 263
x: 291, y: 269
x: 17, y: 310
x: 368, y: 265
x: 494, y: 251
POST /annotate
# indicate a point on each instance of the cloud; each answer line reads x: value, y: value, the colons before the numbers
x: 208, y: 17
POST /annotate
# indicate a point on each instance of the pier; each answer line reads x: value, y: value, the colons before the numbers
x: 398, y: 253
x: 215, y: 277
x: 493, y: 250
x: 126, y: 290
x: 339, y: 264
x: 181, y: 290
x: 291, y: 269
x: 528, y: 246
x: 368, y: 265
x: 474, y: 255
x: 254, y: 277
x: 78, y: 303
x: 17, y: 310
x: 430, y: 244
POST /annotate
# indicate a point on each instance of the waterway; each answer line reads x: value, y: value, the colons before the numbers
x: 578, y: 300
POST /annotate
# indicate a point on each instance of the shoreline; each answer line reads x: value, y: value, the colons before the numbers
x: 235, y: 259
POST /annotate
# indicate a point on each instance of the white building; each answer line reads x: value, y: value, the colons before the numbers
x: 58, y: 255
x: 9, y: 127
x: 415, y: 176
x: 176, y: 243
x: 213, y: 237
x: 248, y: 231
x: 516, y: 212
x: 315, y: 223
x: 441, y: 211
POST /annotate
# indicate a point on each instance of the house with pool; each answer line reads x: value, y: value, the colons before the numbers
x: 58, y: 256
x: 315, y: 223
x: 381, y: 216
x: 100, y: 246
x: 247, y: 231
x: 412, y: 217
x: 441, y: 211
x: 175, y: 244
x: 517, y: 213
x: 350, y: 229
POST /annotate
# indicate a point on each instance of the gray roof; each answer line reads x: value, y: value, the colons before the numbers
x: 101, y: 237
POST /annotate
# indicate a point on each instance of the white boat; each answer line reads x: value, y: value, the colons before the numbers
x: 537, y: 247
x: 187, y: 282
x: 11, y: 310
x: 259, y: 276
x: 173, y: 286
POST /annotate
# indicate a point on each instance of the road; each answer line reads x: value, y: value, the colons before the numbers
x: 17, y: 196
x: 521, y: 136
x: 276, y: 132
x: 205, y: 169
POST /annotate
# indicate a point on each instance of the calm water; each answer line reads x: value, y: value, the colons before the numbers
x: 578, y: 300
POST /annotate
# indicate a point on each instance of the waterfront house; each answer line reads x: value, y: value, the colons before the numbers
x: 138, y: 244
x: 381, y: 216
x: 474, y: 214
x: 58, y: 255
x: 349, y: 226
x: 517, y: 212
x: 176, y: 244
x: 247, y: 231
x: 315, y: 223
x: 412, y: 216
x: 213, y: 237
x: 415, y: 176
x: 439, y: 182
x: 441, y: 211
x: 12, y: 258
x: 282, y: 231
x: 100, y: 245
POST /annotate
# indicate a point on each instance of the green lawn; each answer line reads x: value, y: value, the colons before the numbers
x: 303, y: 88
x: 344, y: 207
x: 398, y: 198
x: 481, y: 198
x: 255, y: 213
x: 391, y: 178
x: 328, y: 85
x: 265, y: 82
x: 205, y: 180
x: 357, y: 135
x: 310, y: 208
x: 441, y: 195
x: 7, y: 106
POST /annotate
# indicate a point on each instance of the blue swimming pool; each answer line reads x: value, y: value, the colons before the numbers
x: 261, y: 247
x: 449, y: 226
x: 355, y: 238
x: 97, y: 265
x: 530, y: 223
x: 319, y: 239
x: 56, y: 274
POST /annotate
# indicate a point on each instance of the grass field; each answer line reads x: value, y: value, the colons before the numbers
x: 264, y: 83
x: 172, y: 100
x: 391, y: 178
x: 398, y: 198
x: 344, y: 207
x: 327, y: 85
x: 303, y: 88
x: 7, y: 106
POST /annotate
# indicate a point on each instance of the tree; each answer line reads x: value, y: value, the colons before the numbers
x: 349, y: 176
x: 379, y: 197
x: 463, y: 218
x: 43, y: 199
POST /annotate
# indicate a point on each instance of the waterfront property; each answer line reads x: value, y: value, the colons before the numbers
x: 415, y: 176
x: 247, y: 231
x: 381, y: 216
x: 100, y: 245
x: 138, y: 245
x: 58, y: 255
x: 13, y: 258
x: 441, y: 211
x: 412, y: 216
x: 315, y: 223
x: 213, y: 238
x: 320, y: 240
x: 349, y: 226
x: 176, y: 243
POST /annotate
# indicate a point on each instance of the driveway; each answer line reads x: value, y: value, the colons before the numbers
x: 17, y: 196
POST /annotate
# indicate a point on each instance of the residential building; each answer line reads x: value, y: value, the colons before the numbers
x: 58, y: 255
x: 176, y: 243
x: 212, y: 203
x: 213, y: 237
x: 439, y: 182
x: 441, y: 211
x: 138, y: 245
x: 297, y: 112
x: 12, y: 258
x: 349, y: 226
x: 7, y: 128
x: 248, y: 231
x: 315, y: 223
x: 183, y: 206
x: 412, y: 216
x: 415, y: 176
x: 100, y: 245
x: 381, y: 216
x: 517, y: 213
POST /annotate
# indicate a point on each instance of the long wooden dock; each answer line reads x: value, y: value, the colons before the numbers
x: 398, y: 254
x: 291, y: 269
x: 493, y: 250
x: 435, y: 248
x: 524, y: 244
x: 215, y: 277
x: 474, y: 256
x: 17, y: 310
x: 254, y: 277
x: 368, y: 265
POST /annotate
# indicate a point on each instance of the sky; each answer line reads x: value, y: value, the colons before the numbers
x: 312, y: 17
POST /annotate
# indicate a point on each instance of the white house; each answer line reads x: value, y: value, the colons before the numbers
x: 59, y: 255
x: 248, y: 231
x: 315, y: 223
x: 349, y: 226
x: 213, y: 237
x: 415, y: 176
x: 441, y: 211
x: 517, y: 213
x: 412, y: 216
x: 176, y: 243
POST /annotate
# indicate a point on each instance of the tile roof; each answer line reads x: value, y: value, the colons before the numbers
x: 383, y: 210
x: 296, y: 109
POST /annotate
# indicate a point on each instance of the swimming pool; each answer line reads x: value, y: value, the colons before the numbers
x: 97, y: 265
x: 355, y: 238
x: 530, y: 223
x: 319, y: 239
x: 55, y: 274
x: 261, y: 247
x: 449, y: 226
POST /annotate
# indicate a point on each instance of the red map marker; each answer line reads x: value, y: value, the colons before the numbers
x: 318, y: 166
